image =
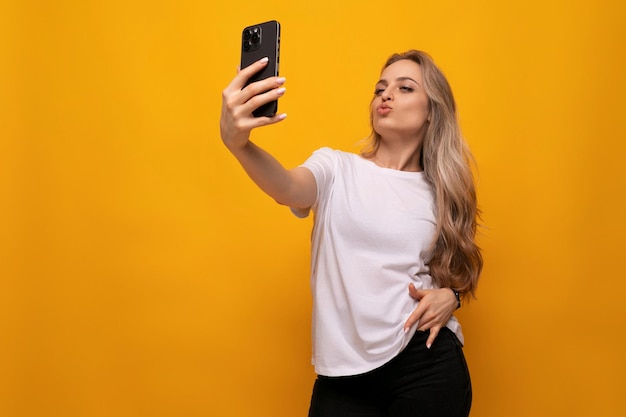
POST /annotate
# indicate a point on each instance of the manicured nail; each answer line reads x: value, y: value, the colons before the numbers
x: 428, y: 345
x: 281, y: 80
x: 264, y: 60
x: 406, y: 330
x: 282, y: 116
x: 281, y: 91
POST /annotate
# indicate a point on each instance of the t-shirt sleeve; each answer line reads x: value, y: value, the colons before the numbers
x: 322, y: 165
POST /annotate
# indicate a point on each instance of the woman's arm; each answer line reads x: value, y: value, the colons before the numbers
x: 296, y: 187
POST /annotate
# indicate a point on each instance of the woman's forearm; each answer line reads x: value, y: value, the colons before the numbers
x: 294, y: 188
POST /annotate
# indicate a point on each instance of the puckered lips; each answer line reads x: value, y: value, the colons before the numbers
x: 383, y: 109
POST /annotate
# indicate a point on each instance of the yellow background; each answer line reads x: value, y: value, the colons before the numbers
x: 143, y: 274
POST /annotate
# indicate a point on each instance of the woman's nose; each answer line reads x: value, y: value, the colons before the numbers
x: 386, y: 96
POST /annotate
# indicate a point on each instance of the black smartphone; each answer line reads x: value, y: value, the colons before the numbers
x: 260, y: 41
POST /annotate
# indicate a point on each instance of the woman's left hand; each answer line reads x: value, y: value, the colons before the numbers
x: 433, y: 311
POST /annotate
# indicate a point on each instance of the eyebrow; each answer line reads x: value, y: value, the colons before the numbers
x: 384, y: 81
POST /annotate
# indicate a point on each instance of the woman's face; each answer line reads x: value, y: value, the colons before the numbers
x: 400, y: 106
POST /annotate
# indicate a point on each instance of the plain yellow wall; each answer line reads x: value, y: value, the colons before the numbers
x: 142, y: 274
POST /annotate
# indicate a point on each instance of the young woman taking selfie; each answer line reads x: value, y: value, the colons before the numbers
x: 393, y: 243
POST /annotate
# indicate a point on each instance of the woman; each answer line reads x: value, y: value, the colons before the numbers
x: 393, y: 244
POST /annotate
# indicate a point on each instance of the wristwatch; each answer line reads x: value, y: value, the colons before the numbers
x: 458, y: 298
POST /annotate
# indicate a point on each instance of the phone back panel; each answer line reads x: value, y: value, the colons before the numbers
x: 259, y: 41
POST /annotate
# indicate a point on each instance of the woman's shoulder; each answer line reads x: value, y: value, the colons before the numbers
x: 335, y: 153
x: 327, y: 159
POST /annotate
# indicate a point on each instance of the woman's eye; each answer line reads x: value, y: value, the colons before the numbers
x: 378, y: 91
x: 406, y: 88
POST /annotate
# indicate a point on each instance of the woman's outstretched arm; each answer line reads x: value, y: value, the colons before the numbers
x: 295, y: 187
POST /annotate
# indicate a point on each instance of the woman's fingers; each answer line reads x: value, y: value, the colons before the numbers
x: 427, y: 321
x: 242, y: 94
x: 414, y: 317
x: 261, y: 92
x: 434, y: 331
x: 244, y: 74
x: 254, y: 122
x: 242, y: 102
x: 415, y: 293
x: 433, y: 311
x: 264, y: 97
x: 241, y: 114
x: 234, y: 98
x: 238, y: 104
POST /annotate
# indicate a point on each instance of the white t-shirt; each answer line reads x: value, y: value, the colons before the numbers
x: 372, y: 230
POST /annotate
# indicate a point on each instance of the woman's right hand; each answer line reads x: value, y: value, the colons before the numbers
x: 238, y: 103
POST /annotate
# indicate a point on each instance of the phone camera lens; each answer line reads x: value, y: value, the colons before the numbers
x: 246, y: 45
x: 247, y: 34
x: 255, y: 35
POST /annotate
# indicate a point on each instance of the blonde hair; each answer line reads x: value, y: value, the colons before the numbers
x: 456, y: 260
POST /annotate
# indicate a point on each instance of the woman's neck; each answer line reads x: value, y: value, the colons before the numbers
x: 399, y: 157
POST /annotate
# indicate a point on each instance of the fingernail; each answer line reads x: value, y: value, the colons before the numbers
x: 428, y: 345
x: 406, y: 330
x: 281, y: 91
x: 264, y: 60
x: 281, y: 80
x: 282, y: 116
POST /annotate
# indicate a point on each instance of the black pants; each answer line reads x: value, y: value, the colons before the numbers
x: 419, y: 382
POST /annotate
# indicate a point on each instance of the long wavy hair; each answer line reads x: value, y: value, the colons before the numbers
x: 455, y: 260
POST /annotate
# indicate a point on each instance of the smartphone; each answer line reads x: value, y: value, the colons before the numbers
x: 260, y: 41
